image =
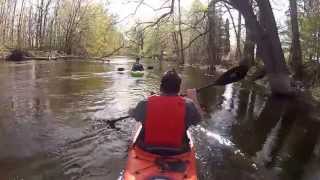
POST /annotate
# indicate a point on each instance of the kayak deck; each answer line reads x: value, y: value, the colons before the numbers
x: 142, y: 165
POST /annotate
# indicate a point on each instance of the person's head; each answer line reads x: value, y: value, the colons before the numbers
x: 170, y: 82
x: 137, y: 59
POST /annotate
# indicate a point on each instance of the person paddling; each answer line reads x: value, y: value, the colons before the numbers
x: 137, y: 66
x: 165, y: 118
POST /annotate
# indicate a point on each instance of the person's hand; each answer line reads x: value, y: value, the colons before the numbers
x: 192, y: 94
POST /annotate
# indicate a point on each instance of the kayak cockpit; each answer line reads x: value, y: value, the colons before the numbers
x: 145, y: 165
x: 161, y: 150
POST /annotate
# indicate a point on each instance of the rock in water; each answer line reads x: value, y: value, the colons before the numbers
x: 121, y: 69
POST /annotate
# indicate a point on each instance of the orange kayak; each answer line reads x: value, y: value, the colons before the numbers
x: 142, y: 165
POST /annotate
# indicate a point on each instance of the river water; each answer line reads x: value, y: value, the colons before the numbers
x: 51, y: 124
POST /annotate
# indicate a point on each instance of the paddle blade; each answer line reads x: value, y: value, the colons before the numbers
x: 233, y: 75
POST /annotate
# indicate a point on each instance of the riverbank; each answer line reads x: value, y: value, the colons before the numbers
x: 24, y: 55
x: 4, y: 52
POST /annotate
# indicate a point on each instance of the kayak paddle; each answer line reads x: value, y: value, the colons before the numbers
x: 232, y: 75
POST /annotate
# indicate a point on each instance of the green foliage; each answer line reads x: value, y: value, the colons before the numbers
x: 310, y: 35
x: 98, y: 35
x: 73, y: 26
x: 136, y: 37
x: 197, y: 6
x: 198, y: 21
x: 316, y: 93
x: 152, y: 42
x: 158, y: 39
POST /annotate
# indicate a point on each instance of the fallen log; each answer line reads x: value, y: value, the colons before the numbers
x: 48, y: 58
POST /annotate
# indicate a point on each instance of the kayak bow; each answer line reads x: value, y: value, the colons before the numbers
x: 137, y: 73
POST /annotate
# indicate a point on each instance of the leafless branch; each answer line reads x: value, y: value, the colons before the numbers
x: 114, y: 51
x: 232, y: 20
x: 194, y: 39
x: 140, y: 2
x: 151, y: 7
x: 162, y: 16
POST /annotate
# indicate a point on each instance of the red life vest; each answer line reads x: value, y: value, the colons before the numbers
x: 165, y: 121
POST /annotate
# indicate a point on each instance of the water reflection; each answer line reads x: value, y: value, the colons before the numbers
x: 276, y: 135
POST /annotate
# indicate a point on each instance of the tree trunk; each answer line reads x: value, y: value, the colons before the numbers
x: 318, y: 49
x: 295, y: 54
x: 19, y: 28
x: 12, y: 22
x: 141, y: 37
x: 238, y: 49
x: 74, y: 18
x: 30, y: 31
x: 268, y: 41
x: 227, y: 38
x: 248, y: 50
x: 54, y: 27
x: 219, y: 42
x: 3, y: 21
x: 45, y: 19
x: 39, y: 24
x: 212, y: 50
x: 180, y: 35
x: 176, y: 44
x: 6, y: 20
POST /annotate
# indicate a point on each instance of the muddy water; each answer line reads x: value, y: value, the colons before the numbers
x: 51, y: 124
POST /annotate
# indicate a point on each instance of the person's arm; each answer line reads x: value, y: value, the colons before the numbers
x: 192, y: 94
x: 193, y: 116
x: 134, y: 67
x: 139, y: 112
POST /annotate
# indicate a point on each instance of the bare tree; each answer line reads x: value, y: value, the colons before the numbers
x: 227, y: 37
x: 268, y: 41
x: 72, y: 23
x: 13, y: 20
x: 19, y: 28
x: 212, y: 49
x: 248, y: 50
x: 180, y: 34
x: 238, y: 49
x: 295, y: 50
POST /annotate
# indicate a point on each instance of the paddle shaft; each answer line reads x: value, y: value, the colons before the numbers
x: 128, y: 116
x: 228, y: 77
x: 205, y: 87
x: 118, y: 119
